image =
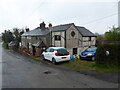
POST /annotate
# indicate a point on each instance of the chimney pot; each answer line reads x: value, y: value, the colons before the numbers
x: 42, y: 25
x: 27, y: 29
x: 50, y: 25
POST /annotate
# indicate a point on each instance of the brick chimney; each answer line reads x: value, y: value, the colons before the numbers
x: 27, y: 29
x: 50, y: 25
x: 42, y: 25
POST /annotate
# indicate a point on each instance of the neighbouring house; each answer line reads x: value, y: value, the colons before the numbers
x: 74, y: 38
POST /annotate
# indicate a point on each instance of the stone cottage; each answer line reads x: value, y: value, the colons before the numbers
x: 74, y: 38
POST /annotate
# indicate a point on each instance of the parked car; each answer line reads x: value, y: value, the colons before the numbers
x: 88, y: 54
x: 56, y: 54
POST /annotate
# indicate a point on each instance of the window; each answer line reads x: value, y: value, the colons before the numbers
x: 23, y: 36
x: 72, y: 33
x: 30, y: 45
x: 28, y: 37
x: 57, y: 37
x: 48, y: 50
x: 89, y: 38
x: 51, y: 50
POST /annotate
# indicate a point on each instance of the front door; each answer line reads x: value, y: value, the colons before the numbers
x: 74, y: 51
x: 34, y: 51
x: 28, y: 46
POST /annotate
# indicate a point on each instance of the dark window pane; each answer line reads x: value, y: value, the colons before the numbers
x: 89, y: 38
x: 72, y: 33
x: 57, y: 37
x: 51, y: 50
x: 62, y: 52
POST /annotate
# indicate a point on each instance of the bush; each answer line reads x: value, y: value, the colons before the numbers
x: 113, y: 58
x: 5, y: 45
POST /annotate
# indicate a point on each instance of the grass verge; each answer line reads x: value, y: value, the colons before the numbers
x: 90, y: 65
x: 5, y: 45
x: 83, y: 64
x: 37, y: 60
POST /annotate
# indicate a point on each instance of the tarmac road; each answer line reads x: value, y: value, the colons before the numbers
x: 19, y: 72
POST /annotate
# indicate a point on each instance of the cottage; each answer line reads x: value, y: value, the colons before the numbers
x: 74, y: 38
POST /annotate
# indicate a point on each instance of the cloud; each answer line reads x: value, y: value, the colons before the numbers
x: 21, y: 13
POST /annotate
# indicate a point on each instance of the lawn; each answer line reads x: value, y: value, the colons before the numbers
x: 83, y: 64
x: 90, y: 65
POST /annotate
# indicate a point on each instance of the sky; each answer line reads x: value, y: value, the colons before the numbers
x: 96, y: 15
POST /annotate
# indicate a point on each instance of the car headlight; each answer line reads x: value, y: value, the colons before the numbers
x: 89, y: 54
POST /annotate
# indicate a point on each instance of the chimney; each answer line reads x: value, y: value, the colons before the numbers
x: 50, y: 25
x: 42, y: 25
x: 27, y: 29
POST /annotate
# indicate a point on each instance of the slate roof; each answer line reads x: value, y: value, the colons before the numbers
x: 38, y: 43
x: 38, y: 31
x: 61, y: 27
x: 84, y: 31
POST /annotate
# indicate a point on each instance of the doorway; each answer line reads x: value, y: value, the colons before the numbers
x: 74, y: 51
x: 34, y: 51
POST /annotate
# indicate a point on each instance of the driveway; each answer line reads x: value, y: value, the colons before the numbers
x: 20, y: 72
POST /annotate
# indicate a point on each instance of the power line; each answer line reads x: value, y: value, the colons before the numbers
x: 101, y: 18
x: 33, y: 11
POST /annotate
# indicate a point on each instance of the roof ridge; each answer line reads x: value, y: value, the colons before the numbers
x: 63, y: 24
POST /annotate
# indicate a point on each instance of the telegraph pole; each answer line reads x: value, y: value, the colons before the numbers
x: 119, y: 13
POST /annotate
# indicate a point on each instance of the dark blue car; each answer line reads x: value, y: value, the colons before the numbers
x: 88, y: 54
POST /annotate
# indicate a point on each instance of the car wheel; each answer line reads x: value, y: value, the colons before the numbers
x: 93, y: 58
x: 54, y: 61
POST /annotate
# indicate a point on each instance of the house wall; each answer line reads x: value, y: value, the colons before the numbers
x: 87, y: 43
x: 78, y: 41
x: 72, y: 42
x: 33, y: 40
x: 58, y: 43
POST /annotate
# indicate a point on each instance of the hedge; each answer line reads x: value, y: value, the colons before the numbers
x: 114, y: 54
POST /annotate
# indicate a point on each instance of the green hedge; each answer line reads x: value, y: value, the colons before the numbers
x: 113, y: 58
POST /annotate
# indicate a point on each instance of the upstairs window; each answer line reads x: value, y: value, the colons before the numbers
x: 57, y: 37
x: 89, y: 38
x: 72, y: 33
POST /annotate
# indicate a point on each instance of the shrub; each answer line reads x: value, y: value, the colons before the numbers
x: 113, y: 58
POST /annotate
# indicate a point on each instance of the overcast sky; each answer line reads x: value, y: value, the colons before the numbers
x: 95, y: 15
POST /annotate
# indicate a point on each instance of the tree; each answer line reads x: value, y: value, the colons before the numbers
x: 17, y: 33
x: 100, y: 38
x: 7, y: 36
x: 113, y: 34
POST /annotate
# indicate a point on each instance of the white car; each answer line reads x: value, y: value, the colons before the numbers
x: 56, y: 54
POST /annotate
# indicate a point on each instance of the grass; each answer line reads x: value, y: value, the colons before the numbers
x: 37, y: 60
x: 83, y: 64
x: 90, y: 65
x: 5, y: 45
x: 107, y: 68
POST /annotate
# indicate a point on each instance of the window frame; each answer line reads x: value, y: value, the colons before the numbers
x: 57, y: 37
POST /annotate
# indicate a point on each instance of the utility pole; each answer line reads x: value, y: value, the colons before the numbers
x: 119, y: 13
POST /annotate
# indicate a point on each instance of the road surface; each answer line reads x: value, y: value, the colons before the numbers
x: 19, y: 72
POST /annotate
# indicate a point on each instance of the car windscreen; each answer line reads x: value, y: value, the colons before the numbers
x: 90, y: 50
x: 62, y: 52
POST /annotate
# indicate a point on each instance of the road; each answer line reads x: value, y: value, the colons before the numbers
x: 19, y: 72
